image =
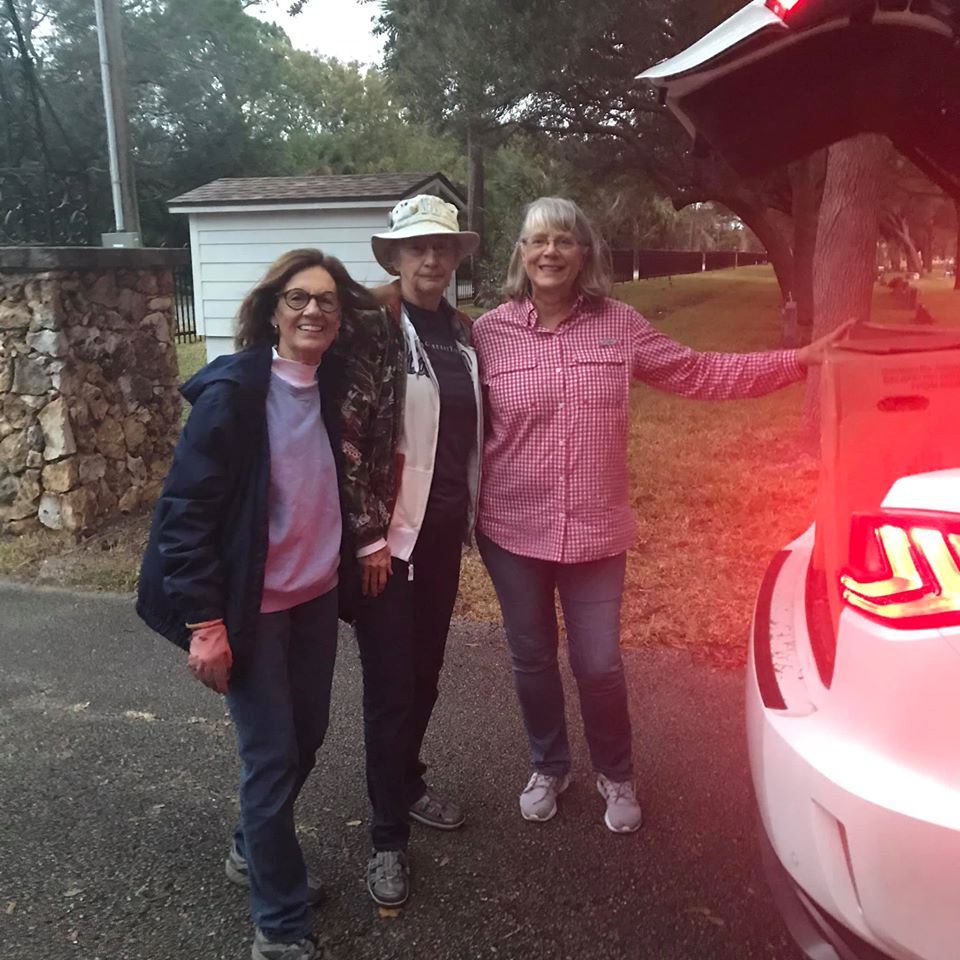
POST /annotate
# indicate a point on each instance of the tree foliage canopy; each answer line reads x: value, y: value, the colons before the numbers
x: 564, y: 73
x: 212, y: 92
x: 549, y: 89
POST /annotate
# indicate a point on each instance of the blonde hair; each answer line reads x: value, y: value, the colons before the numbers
x: 595, y: 280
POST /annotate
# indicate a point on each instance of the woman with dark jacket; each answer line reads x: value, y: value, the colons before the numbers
x: 242, y: 564
x: 409, y: 551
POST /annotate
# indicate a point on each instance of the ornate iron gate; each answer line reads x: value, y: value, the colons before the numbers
x: 40, y: 207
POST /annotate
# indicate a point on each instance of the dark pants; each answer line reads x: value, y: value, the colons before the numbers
x: 280, y: 704
x: 402, y: 635
x: 590, y: 596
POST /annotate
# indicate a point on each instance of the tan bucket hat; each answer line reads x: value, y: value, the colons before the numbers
x: 422, y: 216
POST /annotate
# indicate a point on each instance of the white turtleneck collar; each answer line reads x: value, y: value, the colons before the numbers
x: 294, y: 372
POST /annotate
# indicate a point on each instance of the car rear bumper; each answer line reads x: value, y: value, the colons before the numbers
x: 864, y: 839
x: 817, y: 934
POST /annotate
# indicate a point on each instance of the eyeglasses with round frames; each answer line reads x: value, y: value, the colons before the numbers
x: 297, y: 299
x: 539, y: 243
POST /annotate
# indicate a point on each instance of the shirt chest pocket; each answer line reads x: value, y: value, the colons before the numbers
x: 599, y: 376
x: 511, y: 382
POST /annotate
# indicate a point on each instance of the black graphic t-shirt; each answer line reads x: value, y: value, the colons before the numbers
x: 449, y: 495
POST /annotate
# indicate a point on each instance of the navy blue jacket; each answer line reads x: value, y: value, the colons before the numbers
x: 207, y: 549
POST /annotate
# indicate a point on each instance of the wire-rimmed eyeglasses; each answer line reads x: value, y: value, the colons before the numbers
x: 539, y: 242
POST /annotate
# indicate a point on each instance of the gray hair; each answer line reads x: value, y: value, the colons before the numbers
x: 595, y: 279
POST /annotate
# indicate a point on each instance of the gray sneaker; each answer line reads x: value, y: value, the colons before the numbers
x: 539, y: 798
x: 238, y: 872
x: 266, y: 949
x: 434, y: 810
x: 623, y: 813
x: 388, y: 878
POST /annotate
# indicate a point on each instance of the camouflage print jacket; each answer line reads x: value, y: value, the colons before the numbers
x: 370, y: 397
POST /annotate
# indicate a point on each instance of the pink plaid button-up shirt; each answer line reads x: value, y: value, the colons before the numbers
x: 555, y: 479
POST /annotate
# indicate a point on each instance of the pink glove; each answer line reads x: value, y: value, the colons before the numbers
x: 210, y: 658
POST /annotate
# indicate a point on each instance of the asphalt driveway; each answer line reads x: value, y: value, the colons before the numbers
x: 117, y: 793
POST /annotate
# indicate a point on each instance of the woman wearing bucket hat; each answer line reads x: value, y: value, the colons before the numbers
x: 410, y: 566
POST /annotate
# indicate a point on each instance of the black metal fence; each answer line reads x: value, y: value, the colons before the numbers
x: 622, y: 264
x: 466, y: 290
x: 184, y: 312
x: 643, y: 264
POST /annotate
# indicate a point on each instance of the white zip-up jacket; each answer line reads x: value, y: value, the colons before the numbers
x: 420, y: 429
x: 418, y: 445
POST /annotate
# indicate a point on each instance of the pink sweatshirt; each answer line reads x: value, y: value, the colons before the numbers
x: 304, y: 502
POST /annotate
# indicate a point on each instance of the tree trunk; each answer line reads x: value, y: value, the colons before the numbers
x: 806, y: 181
x: 911, y: 253
x: 475, y: 188
x: 926, y: 248
x: 956, y: 256
x: 14, y: 144
x: 774, y: 240
x: 895, y: 228
x: 712, y: 180
x: 844, y: 263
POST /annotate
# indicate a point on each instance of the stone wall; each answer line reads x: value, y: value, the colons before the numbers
x: 89, y: 408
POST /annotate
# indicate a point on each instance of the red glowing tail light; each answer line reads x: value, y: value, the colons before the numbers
x: 905, y: 569
x: 781, y: 7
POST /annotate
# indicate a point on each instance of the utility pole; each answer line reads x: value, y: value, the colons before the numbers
x: 113, y: 76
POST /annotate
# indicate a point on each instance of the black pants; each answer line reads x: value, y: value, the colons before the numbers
x: 402, y: 635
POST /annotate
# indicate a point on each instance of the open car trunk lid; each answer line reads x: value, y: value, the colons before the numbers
x: 762, y: 90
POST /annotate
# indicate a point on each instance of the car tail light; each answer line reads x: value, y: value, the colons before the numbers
x: 905, y: 569
x: 781, y: 7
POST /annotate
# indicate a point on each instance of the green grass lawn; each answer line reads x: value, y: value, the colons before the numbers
x: 718, y: 487
x: 936, y: 295
x: 190, y: 358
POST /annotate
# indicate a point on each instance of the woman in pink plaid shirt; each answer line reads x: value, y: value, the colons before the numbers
x: 554, y: 517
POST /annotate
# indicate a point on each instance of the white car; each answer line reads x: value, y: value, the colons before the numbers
x: 853, y: 677
x: 853, y: 734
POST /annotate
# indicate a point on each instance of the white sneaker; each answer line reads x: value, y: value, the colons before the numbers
x: 623, y: 809
x: 539, y: 798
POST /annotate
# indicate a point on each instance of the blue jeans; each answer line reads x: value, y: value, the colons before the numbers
x: 590, y: 596
x: 280, y: 704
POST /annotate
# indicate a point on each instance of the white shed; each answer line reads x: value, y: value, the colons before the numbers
x: 238, y: 227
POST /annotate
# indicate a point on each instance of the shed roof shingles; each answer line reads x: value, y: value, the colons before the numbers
x: 359, y: 186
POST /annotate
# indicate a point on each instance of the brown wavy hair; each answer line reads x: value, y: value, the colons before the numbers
x: 254, y: 328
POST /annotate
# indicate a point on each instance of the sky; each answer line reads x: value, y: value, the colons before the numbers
x: 333, y: 28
